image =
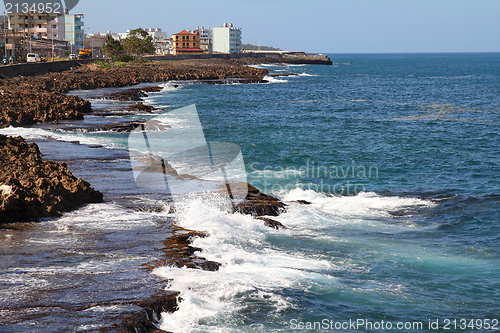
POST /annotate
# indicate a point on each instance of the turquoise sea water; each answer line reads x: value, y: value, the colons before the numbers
x: 399, y: 156
x: 421, y: 241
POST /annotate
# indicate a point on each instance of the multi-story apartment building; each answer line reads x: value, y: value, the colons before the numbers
x: 226, y: 39
x: 185, y: 42
x: 38, y: 25
x: 4, y: 29
x: 205, y: 38
x: 74, y: 31
x: 29, y: 28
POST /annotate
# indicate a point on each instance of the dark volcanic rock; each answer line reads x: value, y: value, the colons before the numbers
x: 29, y: 100
x: 20, y: 107
x: 180, y: 253
x: 152, y: 89
x: 123, y: 127
x: 272, y: 223
x: 134, y: 95
x: 144, y: 321
x: 141, y: 107
x: 31, y: 187
x: 260, y: 204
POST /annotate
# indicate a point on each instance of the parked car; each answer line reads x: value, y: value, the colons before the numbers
x: 73, y: 56
x: 33, y: 57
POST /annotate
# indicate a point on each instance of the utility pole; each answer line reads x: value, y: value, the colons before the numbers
x: 4, y: 35
x: 29, y: 31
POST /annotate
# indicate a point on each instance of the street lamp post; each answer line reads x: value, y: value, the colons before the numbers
x: 3, y: 37
x: 91, y: 41
x: 50, y: 31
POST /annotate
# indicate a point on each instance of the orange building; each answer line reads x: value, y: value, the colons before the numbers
x: 186, y: 43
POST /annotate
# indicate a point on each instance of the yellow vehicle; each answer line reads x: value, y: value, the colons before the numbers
x: 85, y: 53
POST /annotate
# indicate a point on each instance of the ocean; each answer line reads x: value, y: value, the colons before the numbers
x: 399, y: 156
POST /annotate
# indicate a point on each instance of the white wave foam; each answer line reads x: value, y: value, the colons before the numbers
x: 256, y: 266
x: 110, y: 217
x: 306, y: 74
x: 89, y: 138
x: 367, y: 210
x: 272, y: 79
x: 251, y: 271
x: 103, y: 100
x: 256, y: 66
x: 170, y: 86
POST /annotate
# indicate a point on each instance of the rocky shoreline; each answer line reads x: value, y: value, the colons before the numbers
x: 43, y: 98
x: 31, y: 188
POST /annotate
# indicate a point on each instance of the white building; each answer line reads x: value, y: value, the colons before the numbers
x: 205, y: 38
x: 226, y: 39
x: 156, y: 33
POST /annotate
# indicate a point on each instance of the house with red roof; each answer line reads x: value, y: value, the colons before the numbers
x: 186, y: 42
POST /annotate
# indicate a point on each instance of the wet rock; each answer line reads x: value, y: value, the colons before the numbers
x: 272, y: 223
x: 152, y: 89
x: 179, y: 252
x: 144, y: 321
x: 141, y: 107
x: 128, y: 95
x: 31, y: 188
x: 260, y: 204
x: 123, y: 127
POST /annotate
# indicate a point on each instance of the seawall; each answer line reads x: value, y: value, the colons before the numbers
x: 40, y: 68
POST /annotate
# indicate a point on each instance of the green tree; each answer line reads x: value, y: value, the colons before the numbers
x: 113, y: 47
x: 138, y: 43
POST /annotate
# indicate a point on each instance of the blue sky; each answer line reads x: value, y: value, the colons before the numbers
x: 336, y: 26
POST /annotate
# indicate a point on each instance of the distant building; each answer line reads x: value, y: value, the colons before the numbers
x: 205, y: 38
x: 96, y: 43
x: 163, y: 44
x: 123, y: 35
x: 35, y: 32
x: 74, y: 31
x: 38, y: 25
x: 4, y: 29
x: 156, y: 33
x: 185, y: 42
x: 226, y: 39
